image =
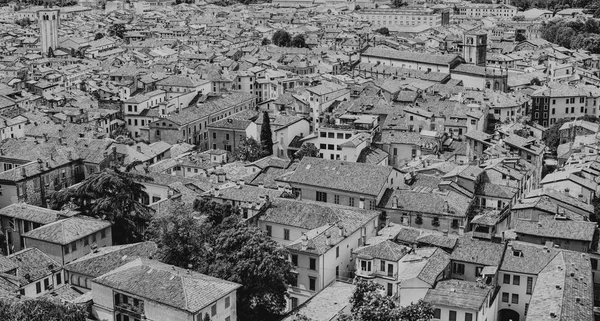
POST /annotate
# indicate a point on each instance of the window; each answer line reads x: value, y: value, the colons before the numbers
x: 86, y: 242
x: 458, y: 268
x: 213, y: 310
x: 382, y: 267
x: 468, y: 316
x: 38, y: 287
x: 506, y: 279
x: 227, y: 302
x: 526, y: 308
x: 313, y: 264
x: 312, y: 283
x: 269, y: 230
x: 294, y: 303
x: 504, y: 297
x: 529, y: 285
x: 351, y: 201
x: 294, y: 260
x: 58, y: 278
x: 516, y: 280
x: 67, y: 249
x: 286, y: 234
x: 46, y: 283
x: 515, y: 299
x: 437, y: 314
x: 295, y: 280
x: 594, y: 264
x: 452, y: 316
x: 336, y: 199
x: 102, y: 234
x: 321, y: 196
x: 74, y: 246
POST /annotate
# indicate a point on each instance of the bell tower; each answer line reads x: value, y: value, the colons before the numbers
x: 475, y: 48
x: 48, y: 20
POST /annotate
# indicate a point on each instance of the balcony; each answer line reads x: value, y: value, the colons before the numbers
x: 377, y: 274
x: 130, y: 308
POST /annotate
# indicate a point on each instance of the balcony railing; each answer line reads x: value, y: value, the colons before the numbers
x: 372, y: 274
x: 130, y: 308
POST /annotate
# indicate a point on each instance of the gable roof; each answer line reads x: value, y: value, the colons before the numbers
x: 68, y: 230
x: 562, y: 229
x: 359, y: 178
x: 108, y: 258
x: 30, y: 213
x: 33, y: 265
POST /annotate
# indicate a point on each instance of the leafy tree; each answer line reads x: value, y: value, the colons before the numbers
x: 535, y: 81
x: 41, y: 309
x: 265, y: 42
x: 307, y: 149
x: 281, y: 38
x: 266, y: 135
x: 98, y: 36
x: 596, y: 216
x: 369, y: 304
x: 520, y: 37
x: 232, y: 251
x: 299, y: 41
x: 551, y: 136
x: 206, y: 317
x: 518, y: 18
x: 384, y: 31
x: 111, y: 195
x: 216, y: 212
x: 117, y: 30
x: 399, y: 3
x: 249, y: 150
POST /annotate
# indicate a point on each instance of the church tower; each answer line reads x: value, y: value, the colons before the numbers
x: 475, y: 48
x: 48, y: 21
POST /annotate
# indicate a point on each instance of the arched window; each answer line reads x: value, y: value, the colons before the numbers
x: 487, y: 85
x: 496, y: 85
x: 79, y: 280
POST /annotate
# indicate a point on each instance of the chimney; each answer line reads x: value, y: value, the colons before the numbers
x: 69, y: 155
x: 304, y: 241
x: 138, y: 148
x: 361, y: 203
x: 60, y: 132
x: 221, y: 177
x: 23, y: 172
x: 328, y: 239
x: 261, y: 185
x: 216, y: 192
x: 242, y: 182
x: 446, y: 207
x: 395, y: 201
x: 341, y: 230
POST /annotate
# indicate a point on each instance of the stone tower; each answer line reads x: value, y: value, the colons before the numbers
x: 48, y: 20
x: 475, y: 48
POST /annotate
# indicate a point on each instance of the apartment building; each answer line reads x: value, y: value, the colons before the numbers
x: 320, y: 238
x: 68, y: 239
x: 405, y: 17
x: 147, y: 289
x: 190, y: 124
x: 342, y: 182
x: 502, y: 11
x: 557, y: 101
